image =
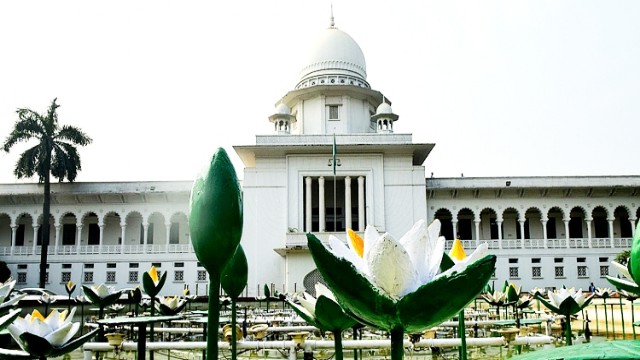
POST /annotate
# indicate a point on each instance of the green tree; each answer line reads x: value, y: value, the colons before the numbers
x: 54, y: 154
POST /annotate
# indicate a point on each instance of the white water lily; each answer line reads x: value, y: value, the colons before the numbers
x: 103, y: 290
x: 172, y: 302
x: 399, y: 267
x: 308, y: 302
x: 604, y: 292
x: 557, y: 298
x: 57, y: 328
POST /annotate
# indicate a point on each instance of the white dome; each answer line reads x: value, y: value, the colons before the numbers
x: 384, y: 108
x: 282, y: 109
x: 335, y: 56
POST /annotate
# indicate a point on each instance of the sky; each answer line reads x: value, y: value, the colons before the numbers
x: 503, y: 88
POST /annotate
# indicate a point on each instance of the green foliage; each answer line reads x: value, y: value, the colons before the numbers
x: 623, y: 257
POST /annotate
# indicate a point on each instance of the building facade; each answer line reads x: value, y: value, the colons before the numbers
x: 333, y: 162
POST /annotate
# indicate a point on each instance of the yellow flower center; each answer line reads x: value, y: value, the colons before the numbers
x: 457, y: 250
x: 356, y: 242
x: 36, y: 315
x: 154, y: 274
x: 69, y: 284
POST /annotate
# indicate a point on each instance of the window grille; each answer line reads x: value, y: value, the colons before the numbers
x: 536, y: 272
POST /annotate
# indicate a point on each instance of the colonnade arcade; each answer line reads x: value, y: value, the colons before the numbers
x: 322, y: 213
x: 89, y: 233
x: 534, y: 228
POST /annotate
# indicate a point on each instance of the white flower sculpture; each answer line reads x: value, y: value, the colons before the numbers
x: 398, y: 285
x: 171, y: 305
x: 50, y: 336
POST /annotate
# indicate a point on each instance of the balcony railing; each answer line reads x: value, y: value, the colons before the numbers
x: 97, y: 249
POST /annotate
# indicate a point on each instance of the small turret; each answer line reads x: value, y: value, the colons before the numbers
x: 384, y: 118
x: 282, y: 119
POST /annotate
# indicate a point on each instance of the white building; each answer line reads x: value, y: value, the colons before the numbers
x: 546, y: 231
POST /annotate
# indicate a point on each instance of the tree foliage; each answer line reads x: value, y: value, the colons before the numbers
x: 54, y: 153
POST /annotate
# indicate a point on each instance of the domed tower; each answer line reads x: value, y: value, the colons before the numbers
x: 282, y: 119
x: 384, y: 119
x: 333, y: 95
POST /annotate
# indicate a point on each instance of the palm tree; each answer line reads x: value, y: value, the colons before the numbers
x: 54, y: 154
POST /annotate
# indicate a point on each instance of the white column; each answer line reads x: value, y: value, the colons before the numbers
x: 361, y: 219
x: 522, y: 232
x: 321, y: 209
x: 347, y: 202
x: 307, y: 208
x: 588, y: 221
x: 499, y: 225
x: 101, y: 243
x: 168, y: 226
x: 454, y: 226
x: 79, y: 240
x: 477, y: 222
x: 633, y: 227
x: 123, y: 230
x: 14, y: 231
x: 145, y: 227
x: 57, y: 239
x: 35, y: 238
x: 566, y: 232
x: 544, y: 232
x: 610, y: 221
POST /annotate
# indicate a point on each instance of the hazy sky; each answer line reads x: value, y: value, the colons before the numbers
x: 503, y: 88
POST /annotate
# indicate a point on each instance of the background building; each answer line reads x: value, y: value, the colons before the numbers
x: 332, y: 162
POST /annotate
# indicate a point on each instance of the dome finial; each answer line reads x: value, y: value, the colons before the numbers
x: 332, y: 23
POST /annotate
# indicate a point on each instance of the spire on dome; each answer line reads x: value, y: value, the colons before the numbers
x: 332, y: 23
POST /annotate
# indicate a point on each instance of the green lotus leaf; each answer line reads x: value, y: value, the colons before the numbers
x: 7, y: 319
x: 548, y: 304
x: 353, y: 290
x: 304, y: 314
x: 624, y: 285
x: 267, y: 292
x: 35, y: 345
x: 235, y: 274
x: 215, y: 219
x: 634, y: 256
x: 446, y: 262
x: 331, y: 316
x: 74, y: 344
x: 444, y: 297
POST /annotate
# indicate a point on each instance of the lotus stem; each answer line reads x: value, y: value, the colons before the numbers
x: 613, y: 323
x: 397, y: 344
x: 214, y: 316
x: 151, y: 329
x: 633, y: 319
x: 624, y: 335
x: 462, y: 350
x: 233, y: 329
x: 568, y: 334
x: 337, y: 338
x: 606, y: 317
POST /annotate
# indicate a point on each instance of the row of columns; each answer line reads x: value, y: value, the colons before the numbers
x: 321, y: 203
x: 521, y: 222
x: 58, y: 231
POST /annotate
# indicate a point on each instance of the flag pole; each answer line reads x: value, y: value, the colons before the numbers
x: 335, y: 152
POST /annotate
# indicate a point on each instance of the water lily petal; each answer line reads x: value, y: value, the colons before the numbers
x: 622, y: 269
x: 434, y: 258
x: 340, y: 250
x: 371, y: 236
x: 61, y: 335
x: 391, y: 268
x: 415, y: 242
x: 322, y: 290
x: 309, y: 303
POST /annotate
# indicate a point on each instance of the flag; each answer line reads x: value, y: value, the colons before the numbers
x: 335, y: 152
